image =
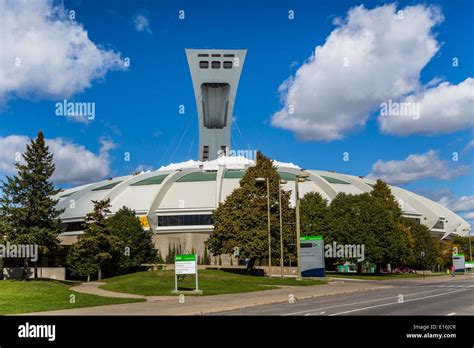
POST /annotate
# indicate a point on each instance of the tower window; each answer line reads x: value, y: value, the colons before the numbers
x: 215, y: 55
x: 205, y: 153
x: 203, y: 55
x: 203, y: 64
x: 216, y: 65
x: 227, y: 65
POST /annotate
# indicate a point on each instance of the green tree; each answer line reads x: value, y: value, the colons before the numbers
x: 314, y: 213
x: 97, y: 246
x: 241, y: 221
x: 373, y: 220
x: 400, y: 239
x: 423, y: 242
x: 27, y: 207
x: 135, y: 245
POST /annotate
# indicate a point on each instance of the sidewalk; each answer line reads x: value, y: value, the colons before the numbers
x: 198, y: 305
x: 92, y: 288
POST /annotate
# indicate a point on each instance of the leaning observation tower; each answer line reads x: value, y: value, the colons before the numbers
x: 215, y: 74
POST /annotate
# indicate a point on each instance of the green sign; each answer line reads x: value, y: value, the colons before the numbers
x: 305, y: 238
x: 185, y: 257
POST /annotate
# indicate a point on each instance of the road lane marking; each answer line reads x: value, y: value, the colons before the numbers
x: 354, y: 303
x: 392, y: 303
x: 450, y: 314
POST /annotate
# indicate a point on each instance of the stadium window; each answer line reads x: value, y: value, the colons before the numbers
x: 185, y: 220
x: 216, y: 64
x: 215, y: 55
x: 439, y: 225
x: 229, y: 55
x: 227, y: 65
x: 203, y: 55
x: 203, y: 64
x: 73, y: 226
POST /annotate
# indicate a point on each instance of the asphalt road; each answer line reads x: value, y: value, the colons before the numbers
x: 435, y: 296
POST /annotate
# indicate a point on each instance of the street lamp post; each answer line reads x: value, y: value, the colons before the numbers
x: 281, y: 226
x: 269, y: 229
x: 299, y: 178
x: 423, y: 262
x: 470, y: 246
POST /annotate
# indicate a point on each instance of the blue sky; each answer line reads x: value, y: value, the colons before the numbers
x: 137, y: 107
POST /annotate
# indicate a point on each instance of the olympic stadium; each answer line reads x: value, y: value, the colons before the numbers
x: 176, y: 201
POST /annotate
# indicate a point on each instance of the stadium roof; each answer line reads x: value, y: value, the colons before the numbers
x: 198, y: 187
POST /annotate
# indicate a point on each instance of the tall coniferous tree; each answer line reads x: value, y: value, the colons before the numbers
x: 96, y: 247
x: 27, y: 207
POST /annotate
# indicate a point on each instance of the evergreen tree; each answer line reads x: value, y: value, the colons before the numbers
x: 135, y: 245
x: 97, y: 246
x: 241, y: 221
x: 382, y: 192
x: 205, y: 258
x: 27, y: 207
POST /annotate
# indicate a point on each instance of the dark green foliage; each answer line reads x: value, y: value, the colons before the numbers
x: 135, y: 245
x: 27, y: 209
x: 374, y: 220
x: 314, y: 215
x: 423, y: 242
x: 241, y: 221
x: 113, y: 246
x: 97, y: 246
x: 172, y: 252
x: 205, y: 258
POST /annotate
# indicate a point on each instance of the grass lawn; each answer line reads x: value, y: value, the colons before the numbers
x: 212, y: 282
x: 382, y: 276
x: 45, y: 295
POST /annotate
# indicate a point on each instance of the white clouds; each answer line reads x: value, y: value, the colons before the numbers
x: 74, y: 163
x: 444, y: 108
x: 141, y: 23
x: 416, y: 167
x: 463, y: 205
x: 383, y: 55
x: 45, y: 54
x: 469, y: 216
x: 458, y: 204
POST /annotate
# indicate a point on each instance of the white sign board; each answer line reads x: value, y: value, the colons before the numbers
x: 185, y: 264
x: 185, y: 267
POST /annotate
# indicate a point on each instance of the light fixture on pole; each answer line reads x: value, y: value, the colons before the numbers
x: 282, y: 182
x: 299, y: 178
x: 269, y: 230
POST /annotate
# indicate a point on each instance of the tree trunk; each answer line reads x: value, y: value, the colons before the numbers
x: 26, y: 268
x: 377, y: 268
x: 88, y: 278
x: 36, y: 270
x: 359, y: 268
x: 99, y: 275
x: 251, y: 264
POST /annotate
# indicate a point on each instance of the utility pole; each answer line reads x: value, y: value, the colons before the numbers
x: 269, y: 231
x: 281, y: 226
x: 299, y: 178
